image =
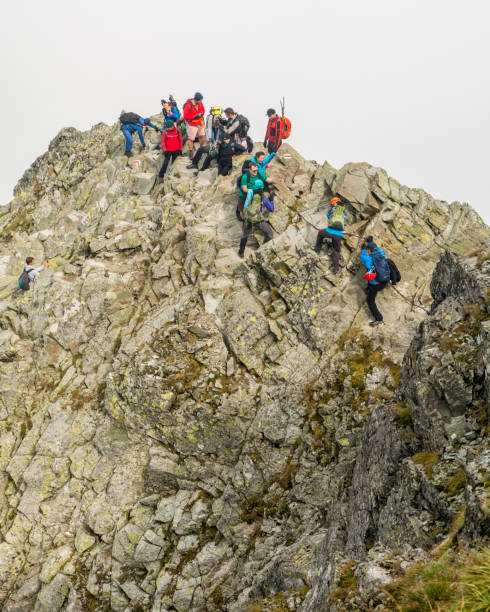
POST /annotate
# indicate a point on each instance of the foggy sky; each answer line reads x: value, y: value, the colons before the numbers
x: 403, y: 84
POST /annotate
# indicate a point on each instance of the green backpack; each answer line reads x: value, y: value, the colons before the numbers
x: 337, y: 220
x: 252, y: 212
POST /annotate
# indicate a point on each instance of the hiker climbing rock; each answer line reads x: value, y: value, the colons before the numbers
x: 273, y: 135
x: 262, y: 160
x: 30, y: 272
x: 237, y: 127
x: 223, y: 153
x: 131, y: 123
x: 255, y: 208
x: 378, y: 275
x: 171, y: 145
x: 194, y: 118
x: 337, y: 220
x: 246, y: 182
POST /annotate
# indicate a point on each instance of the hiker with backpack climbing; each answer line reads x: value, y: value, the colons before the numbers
x: 377, y: 275
x: 194, y: 118
x: 214, y: 134
x: 131, y: 123
x: 256, y: 205
x: 30, y: 272
x: 337, y: 220
x: 237, y: 127
x: 171, y: 145
x: 273, y: 135
x: 246, y: 182
x: 223, y: 153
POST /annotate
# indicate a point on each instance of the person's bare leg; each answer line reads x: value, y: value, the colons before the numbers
x: 190, y: 146
x: 202, y: 140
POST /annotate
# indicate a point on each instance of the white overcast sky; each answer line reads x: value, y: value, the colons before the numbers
x: 403, y: 84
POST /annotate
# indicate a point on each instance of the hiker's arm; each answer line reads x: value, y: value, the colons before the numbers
x: 140, y: 134
x: 269, y: 158
x: 243, y: 184
x: 233, y: 127
x: 152, y: 125
x: 366, y: 259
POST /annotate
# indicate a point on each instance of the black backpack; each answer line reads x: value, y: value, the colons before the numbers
x: 395, y: 275
x: 126, y: 118
x: 243, y: 127
x: 381, y: 267
x: 245, y: 170
x: 24, y: 280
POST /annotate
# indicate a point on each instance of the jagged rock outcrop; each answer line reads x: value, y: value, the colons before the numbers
x: 184, y: 430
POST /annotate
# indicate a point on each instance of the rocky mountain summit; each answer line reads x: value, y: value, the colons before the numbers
x: 183, y: 430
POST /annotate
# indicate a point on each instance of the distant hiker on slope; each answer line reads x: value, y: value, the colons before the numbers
x: 253, y: 214
x: 30, y: 272
x: 171, y: 145
x: 273, y: 135
x: 237, y: 127
x: 337, y: 220
x: 131, y: 123
x: 223, y: 153
x: 378, y: 275
x: 246, y: 182
x: 194, y: 118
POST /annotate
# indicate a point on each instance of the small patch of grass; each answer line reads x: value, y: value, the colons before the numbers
x: 456, y: 483
x: 427, y: 461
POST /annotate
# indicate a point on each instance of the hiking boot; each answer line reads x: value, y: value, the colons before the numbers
x: 191, y: 167
x: 127, y: 153
x: 376, y: 323
x: 242, y: 255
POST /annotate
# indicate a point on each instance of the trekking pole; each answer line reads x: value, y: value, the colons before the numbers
x: 412, y: 304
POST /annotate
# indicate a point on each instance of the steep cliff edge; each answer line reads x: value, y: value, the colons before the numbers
x: 184, y: 430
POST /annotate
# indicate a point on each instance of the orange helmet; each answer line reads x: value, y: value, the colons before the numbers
x: 335, y: 200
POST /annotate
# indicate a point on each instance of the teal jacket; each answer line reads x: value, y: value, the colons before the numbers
x: 264, y: 162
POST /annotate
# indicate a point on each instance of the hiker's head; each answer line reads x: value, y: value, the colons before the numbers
x: 271, y: 113
x: 371, y: 247
x: 253, y: 168
x: 29, y: 261
x: 230, y: 113
x: 259, y: 156
x: 198, y: 96
x: 169, y: 124
x: 226, y: 138
x: 334, y: 201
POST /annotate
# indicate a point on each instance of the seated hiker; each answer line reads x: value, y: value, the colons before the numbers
x: 273, y: 135
x: 30, y: 272
x: 214, y: 133
x: 131, y: 123
x: 194, y: 118
x: 378, y: 276
x: 262, y: 161
x: 223, y: 153
x: 237, y: 127
x: 248, y: 177
x: 253, y: 214
x: 171, y: 145
x: 337, y: 220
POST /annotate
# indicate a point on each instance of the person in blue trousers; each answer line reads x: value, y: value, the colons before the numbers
x: 128, y: 129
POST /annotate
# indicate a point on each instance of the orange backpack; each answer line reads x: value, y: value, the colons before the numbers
x: 286, y: 128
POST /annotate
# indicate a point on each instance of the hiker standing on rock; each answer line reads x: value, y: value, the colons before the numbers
x: 194, y: 118
x: 171, y: 145
x: 131, y: 123
x: 237, y: 127
x: 337, y: 220
x: 253, y: 214
x: 30, y: 272
x: 378, y: 275
x: 273, y: 135
x: 246, y: 182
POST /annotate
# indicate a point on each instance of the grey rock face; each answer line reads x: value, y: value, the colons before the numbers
x: 181, y: 429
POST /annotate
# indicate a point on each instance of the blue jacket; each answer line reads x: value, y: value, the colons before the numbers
x: 367, y: 260
x: 263, y: 163
x: 174, y: 115
x: 332, y: 231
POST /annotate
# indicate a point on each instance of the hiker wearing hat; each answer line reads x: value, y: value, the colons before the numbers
x: 171, y: 145
x: 337, y: 220
x: 194, y: 118
x: 131, y: 123
x: 273, y: 136
x: 223, y: 153
x: 378, y: 275
x: 253, y: 213
x: 170, y: 110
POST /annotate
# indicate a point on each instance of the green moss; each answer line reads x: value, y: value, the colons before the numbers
x: 347, y: 585
x: 456, y: 483
x: 427, y: 460
x: 403, y: 415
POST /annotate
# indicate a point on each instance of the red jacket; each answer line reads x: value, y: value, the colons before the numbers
x: 172, y: 139
x: 274, y: 131
x: 191, y: 110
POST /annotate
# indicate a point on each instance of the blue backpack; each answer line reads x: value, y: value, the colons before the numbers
x: 381, y: 267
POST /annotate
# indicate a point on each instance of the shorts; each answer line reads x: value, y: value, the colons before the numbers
x: 194, y: 130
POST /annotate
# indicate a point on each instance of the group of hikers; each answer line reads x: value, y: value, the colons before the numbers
x: 220, y: 138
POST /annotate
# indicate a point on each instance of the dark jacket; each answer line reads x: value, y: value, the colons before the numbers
x: 225, y: 154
